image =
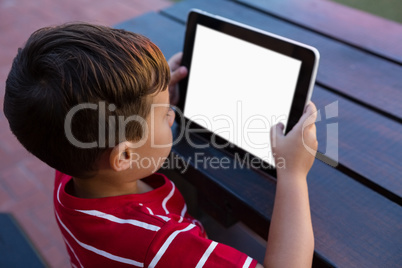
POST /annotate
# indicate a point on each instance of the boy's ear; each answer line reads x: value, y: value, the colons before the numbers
x: 120, y: 157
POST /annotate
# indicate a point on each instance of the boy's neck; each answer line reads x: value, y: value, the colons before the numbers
x: 106, y: 185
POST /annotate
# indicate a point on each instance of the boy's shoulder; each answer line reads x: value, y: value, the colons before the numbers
x: 165, y: 200
x: 141, y: 229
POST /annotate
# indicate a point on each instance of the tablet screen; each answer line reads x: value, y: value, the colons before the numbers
x: 238, y: 90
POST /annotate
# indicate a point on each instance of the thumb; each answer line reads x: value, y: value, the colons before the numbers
x: 276, y: 133
x: 178, y: 75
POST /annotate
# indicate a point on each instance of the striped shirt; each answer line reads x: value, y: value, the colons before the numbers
x: 152, y: 229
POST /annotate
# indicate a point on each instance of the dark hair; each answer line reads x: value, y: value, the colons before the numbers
x: 61, y: 67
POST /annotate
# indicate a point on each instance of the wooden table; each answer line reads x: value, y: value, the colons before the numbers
x: 356, y: 206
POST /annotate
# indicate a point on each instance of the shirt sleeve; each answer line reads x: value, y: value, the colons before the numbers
x: 183, y: 245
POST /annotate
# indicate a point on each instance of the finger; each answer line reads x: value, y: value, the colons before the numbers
x: 275, y: 133
x: 175, y: 60
x: 309, y: 116
x: 310, y: 138
x: 308, y: 105
x: 281, y: 126
x: 308, y: 129
x: 311, y: 108
x: 178, y: 75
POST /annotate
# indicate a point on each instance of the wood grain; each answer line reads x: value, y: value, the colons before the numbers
x: 340, y: 22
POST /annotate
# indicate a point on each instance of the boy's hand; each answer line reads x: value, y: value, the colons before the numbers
x: 291, y: 237
x: 177, y: 73
x: 299, y: 146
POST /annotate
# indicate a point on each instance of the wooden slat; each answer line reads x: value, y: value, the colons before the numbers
x: 363, y: 77
x: 368, y: 143
x: 340, y: 22
x: 357, y: 227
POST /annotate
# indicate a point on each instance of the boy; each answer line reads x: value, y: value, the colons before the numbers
x: 79, y: 97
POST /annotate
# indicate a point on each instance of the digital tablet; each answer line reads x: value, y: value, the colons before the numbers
x: 242, y: 81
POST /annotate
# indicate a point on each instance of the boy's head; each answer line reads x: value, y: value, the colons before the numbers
x: 71, y: 86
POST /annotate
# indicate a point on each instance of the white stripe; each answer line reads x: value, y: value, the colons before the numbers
x: 112, y: 218
x: 248, y: 262
x: 65, y: 240
x: 58, y: 194
x: 98, y: 251
x: 183, y: 212
x: 205, y: 257
x: 167, y: 199
x: 166, y: 219
x: 167, y: 243
x: 149, y: 210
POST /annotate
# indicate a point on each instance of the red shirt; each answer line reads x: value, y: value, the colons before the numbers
x: 138, y: 230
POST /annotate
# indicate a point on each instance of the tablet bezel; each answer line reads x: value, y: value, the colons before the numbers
x: 309, y: 57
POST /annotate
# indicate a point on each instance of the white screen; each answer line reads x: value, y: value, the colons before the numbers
x: 238, y: 90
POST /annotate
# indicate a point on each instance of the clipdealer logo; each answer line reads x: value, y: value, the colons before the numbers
x: 330, y: 156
